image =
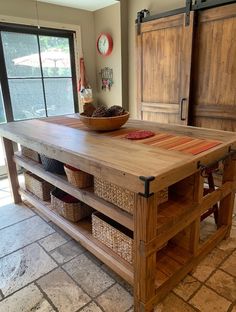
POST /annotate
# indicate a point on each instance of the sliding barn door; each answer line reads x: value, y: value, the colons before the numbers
x: 164, y: 48
x: 214, y: 69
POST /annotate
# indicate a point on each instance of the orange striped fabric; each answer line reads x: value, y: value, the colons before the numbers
x: 172, y: 142
x: 163, y: 140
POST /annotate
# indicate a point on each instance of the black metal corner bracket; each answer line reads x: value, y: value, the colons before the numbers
x: 146, y: 181
x: 140, y: 15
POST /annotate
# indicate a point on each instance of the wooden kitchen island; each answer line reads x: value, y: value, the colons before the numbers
x: 166, y: 236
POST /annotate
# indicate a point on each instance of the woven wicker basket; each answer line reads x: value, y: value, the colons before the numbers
x: 78, y: 178
x: 27, y: 152
x: 72, y: 211
x: 37, y: 186
x: 119, y: 196
x: 113, y: 235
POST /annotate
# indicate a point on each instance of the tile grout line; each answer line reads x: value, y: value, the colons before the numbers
x: 1, y: 295
x: 49, y: 251
x: 86, y: 305
x: 45, y: 296
x: 87, y: 253
x: 85, y: 291
x: 93, y: 299
x: 5, y: 227
x: 217, y: 268
x: 26, y: 285
x: 77, y: 284
x: 233, y: 304
x: 36, y: 241
x: 212, y: 273
x: 204, y: 283
x: 227, y: 272
x: 223, y: 296
x: 195, y: 292
x: 115, y: 281
x: 187, y: 301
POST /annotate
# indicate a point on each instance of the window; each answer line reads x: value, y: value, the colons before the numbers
x: 2, y: 111
x: 39, y: 70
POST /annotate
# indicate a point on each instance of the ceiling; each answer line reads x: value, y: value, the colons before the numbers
x: 90, y: 5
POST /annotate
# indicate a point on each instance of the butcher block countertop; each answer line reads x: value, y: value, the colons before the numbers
x: 114, y: 158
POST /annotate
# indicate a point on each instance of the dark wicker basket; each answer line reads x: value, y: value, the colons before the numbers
x: 68, y: 206
x: 52, y: 165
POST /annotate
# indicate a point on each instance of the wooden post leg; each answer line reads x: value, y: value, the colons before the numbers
x: 11, y: 169
x: 190, y: 236
x: 227, y: 203
x: 197, y: 198
x: 145, y: 222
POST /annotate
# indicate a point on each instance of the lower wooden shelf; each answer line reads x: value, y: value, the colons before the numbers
x: 85, y: 195
x: 170, y: 260
x: 82, y: 232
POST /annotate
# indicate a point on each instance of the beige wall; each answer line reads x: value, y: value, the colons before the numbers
x: 133, y: 7
x: 108, y: 20
x: 58, y: 14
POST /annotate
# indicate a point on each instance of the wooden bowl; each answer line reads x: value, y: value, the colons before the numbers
x: 104, y: 123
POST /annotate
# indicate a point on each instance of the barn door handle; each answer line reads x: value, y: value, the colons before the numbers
x: 182, y: 108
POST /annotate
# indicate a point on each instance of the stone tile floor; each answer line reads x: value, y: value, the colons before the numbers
x: 42, y: 269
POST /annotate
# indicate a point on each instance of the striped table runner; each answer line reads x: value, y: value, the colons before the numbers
x: 169, y: 141
x: 163, y: 140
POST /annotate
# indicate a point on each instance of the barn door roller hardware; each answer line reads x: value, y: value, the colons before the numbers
x: 191, y: 5
x: 140, y: 15
x: 187, y: 12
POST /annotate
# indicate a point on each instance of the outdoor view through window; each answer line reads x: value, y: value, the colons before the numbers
x: 2, y: 113
x: 39, y: 75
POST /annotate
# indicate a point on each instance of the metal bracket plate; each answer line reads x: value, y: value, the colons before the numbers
x: 146, y: 181
x: 205, y: 168
x: 187, y: 13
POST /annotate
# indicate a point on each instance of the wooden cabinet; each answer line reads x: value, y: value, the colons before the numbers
x: 167, y: 237
x: 185, y: 85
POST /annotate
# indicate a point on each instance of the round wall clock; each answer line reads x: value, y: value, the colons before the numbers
x: 104, y: 44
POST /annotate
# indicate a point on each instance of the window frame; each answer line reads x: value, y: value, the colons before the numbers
x: 44, y: 31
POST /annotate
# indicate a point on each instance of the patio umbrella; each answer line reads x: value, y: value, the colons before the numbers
x: 52, y: 58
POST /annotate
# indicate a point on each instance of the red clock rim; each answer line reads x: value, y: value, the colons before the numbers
x: 110, y: 42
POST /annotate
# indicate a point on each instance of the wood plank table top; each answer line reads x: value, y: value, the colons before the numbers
x: 114, y: 158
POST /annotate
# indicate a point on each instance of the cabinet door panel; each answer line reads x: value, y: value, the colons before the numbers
x: 214, y: 69
x: 164, y: 49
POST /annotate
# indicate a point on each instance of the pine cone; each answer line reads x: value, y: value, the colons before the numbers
x: 88, y: 109
x: 100, y: 112
x: 115, y: 110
